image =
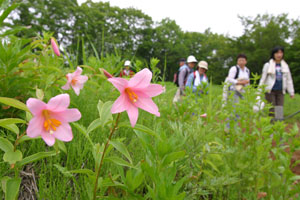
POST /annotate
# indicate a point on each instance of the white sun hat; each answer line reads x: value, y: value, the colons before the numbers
x: 127, y: 63
x: 191, y: 59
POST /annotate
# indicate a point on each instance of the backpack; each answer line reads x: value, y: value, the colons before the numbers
x: 238, y: 72
x: 177, y: 77
x: 227, y: 85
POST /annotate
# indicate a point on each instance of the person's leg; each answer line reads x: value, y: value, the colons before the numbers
x: 270, y: 97
x: 279, y: 99
x: 177, y: 96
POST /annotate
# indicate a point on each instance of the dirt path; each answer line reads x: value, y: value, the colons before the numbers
x: 296, y: 154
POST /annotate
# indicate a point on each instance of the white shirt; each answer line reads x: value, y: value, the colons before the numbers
x: 243, y: 74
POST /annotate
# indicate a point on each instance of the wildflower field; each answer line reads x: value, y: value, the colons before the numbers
x: 75, y: 131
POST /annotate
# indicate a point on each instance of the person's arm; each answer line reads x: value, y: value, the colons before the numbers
x: 290, y: 85
x: 190, y: 80
x: 182, y: 75
x: 264, y: 74
x: 231, y: 76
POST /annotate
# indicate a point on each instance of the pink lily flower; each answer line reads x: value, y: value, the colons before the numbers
x: 106, y: 73
x: 51, y: 120
x: 75, y: 80
x: 203, y: 115
x: 136, y: 93
x: 55, y: 46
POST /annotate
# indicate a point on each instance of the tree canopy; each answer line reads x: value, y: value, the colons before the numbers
x: 99, y: 28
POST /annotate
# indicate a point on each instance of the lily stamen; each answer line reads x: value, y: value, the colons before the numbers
x: 50, y: 125
x: 132, y: 96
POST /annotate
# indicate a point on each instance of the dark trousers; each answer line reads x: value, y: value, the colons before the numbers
x: 276, y: 98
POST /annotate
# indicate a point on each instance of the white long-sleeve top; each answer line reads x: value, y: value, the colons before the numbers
x: 243, y: 74
x: 268, y: 77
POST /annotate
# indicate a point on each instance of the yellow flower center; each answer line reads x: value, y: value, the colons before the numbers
x: 132, y: 96
x: 50, y: 125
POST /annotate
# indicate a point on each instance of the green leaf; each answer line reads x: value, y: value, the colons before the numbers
x: 8, y: 121
x: 39, y: 94
x: 104, y: 111
x: 68, y: 173
x: 82, y: 171
x: 61, y: 146
x: 14, y: 103
x: 122, y: 149
x: 13, y: 31
x: 119, y: 161
x: 172, y: 157
x: 12, y: 188
x: 212, y: 165
x: 6, y: 145
x: 141, y: 128
x: 7, y: 12
x: 294, y: 178
x: 63, y: 170
x: 83, y: 131
x: 13, y: 156
x: 94, y: 125
x: 26, y: 138
x: 12, y: 128
x: 36, y: 157
x: 28, y: 116
x: 99, y: 107
x: 3, y: 182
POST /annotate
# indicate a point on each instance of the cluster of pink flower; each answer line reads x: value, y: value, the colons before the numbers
x: 51, y: 120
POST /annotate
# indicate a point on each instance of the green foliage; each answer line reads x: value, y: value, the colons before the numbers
x: 230, y: 154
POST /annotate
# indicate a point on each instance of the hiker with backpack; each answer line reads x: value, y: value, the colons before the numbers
x: 277, y: 78
x: 198, y: 77
x: 183, y: 74
x: 127, y: 72
x: 238, y: 77
x: 181, y: 63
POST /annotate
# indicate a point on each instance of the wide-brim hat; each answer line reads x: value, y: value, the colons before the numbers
x: 203, y: 64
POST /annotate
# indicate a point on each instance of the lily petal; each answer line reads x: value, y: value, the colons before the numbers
x: 121, y: 104
x: 77, y: 72
x: 68, y: 115
x: 119, y: 83
x: 66, y: 87
x: 152, y: 90
x: 77, y: 88
x: 148, y: 105
x: 35, y: 106
x: 48, y: 138
x: 82, y: 79
x: 141, y: 79
x: 133, y: 114
x: 35, y: 126
x: 59, y: 103
x: 64, y: 132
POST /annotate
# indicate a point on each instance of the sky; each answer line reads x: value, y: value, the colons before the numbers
x: 221, y: 16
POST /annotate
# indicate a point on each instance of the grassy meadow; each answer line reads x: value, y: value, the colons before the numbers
x: 178, y: 155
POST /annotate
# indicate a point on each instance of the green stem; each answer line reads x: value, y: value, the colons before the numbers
x: 17, y: 140
x: 102, y: 158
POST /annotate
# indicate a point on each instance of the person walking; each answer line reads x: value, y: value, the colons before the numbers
x: 184, y: 72
x: 126, y: 72
x: 238, y: 77
x: 198, y: 77
x: 181, y: 63
x: 277, y: 78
